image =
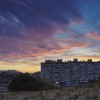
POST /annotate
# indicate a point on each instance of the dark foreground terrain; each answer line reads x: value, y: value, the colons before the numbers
x: 84, y: 92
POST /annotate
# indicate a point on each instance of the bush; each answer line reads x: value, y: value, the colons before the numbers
x: 25, y: 82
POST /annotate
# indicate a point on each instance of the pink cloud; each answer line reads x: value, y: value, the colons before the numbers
x: 19, y: 49
x: 93, y: 36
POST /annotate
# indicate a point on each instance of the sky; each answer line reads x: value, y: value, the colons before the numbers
x: 34, y: 30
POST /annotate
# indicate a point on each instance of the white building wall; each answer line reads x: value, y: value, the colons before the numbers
x: 82, y: 72
x: 75, y: 73
x: 90, y: 72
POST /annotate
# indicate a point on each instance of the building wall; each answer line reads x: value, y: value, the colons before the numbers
x: 70, y: 73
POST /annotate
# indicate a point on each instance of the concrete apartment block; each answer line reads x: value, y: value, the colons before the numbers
x: 70, y: 73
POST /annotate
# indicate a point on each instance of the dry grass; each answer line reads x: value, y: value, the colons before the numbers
x: 84, y: 92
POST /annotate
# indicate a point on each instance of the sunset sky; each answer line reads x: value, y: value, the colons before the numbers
x: 34, y: 30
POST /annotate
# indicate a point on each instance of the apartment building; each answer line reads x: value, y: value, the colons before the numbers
x: 70, y: 73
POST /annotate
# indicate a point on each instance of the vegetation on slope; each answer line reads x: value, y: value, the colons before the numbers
x: 25, y: 82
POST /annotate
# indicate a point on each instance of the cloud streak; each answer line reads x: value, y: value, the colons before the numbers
x: 36, y: 15
x: 93, y: 36
x: 32, y: 29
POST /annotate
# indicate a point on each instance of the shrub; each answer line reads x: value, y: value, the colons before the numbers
x: 25, y: 82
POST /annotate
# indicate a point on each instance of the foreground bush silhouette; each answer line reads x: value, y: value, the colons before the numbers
x: 25, y: 82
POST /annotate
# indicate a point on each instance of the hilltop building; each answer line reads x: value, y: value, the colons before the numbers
x: 70, y: 73
x: 5, y: 77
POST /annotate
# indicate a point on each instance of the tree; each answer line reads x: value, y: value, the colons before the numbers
x: 25, y: 82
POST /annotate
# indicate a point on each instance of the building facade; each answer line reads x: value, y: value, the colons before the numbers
x: 70, y: 73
